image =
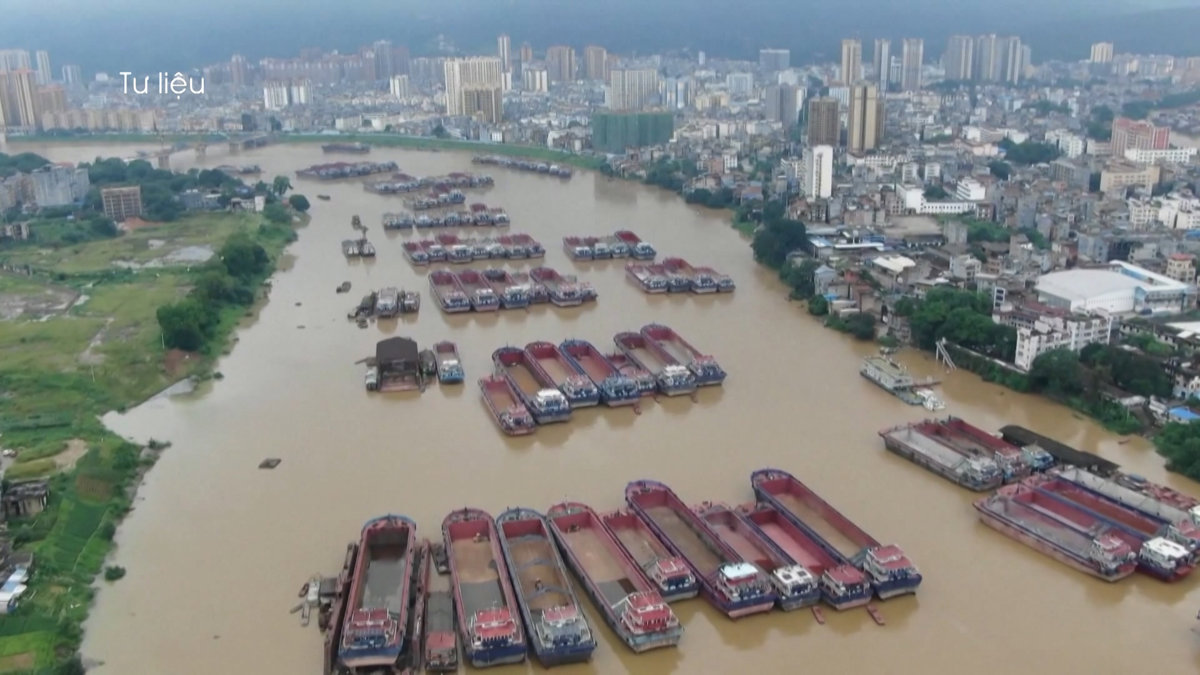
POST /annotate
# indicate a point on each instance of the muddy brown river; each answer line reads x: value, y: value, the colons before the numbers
x: 216, y: 548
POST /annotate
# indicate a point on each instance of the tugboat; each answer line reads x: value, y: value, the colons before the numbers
x: 483, y: 595
x: 672, y: 379
x: 558, y: 630
x: 626, y: 599
x: 735, y: 587
x: 615, y: 388
x: 547, y: 404
x: 504, y: 402
x: 579, y: 389
x: 449, y: 367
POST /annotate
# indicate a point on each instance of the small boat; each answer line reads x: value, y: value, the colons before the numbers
x: 350, y: 248
x: 485, y: 605
x: 477, y: 288
x: 449, y: 367
x: 628, y: 601
x: 795, y: 585
x: 562, y: 293
x: 576, y: 249
x: 387, y: 302
x: 672, y: 379
x: 698, y: 282
x: 427, y: 362
x: 667, y: 571
x: 356, y: 222
x: 366, y: 249
x: 441, y: 642
x: 343, y: 287
x: 337, y: 609
x: 537, y: 292
x: 843, y: 586
x: 504, y: 402
x: 512, y: 295
x: 558, y: 631
x: 412, y: 654
x: 323, y: 198
x: 449, y: 292
x: 647, y: 384
x: 615, y: 388
x: 410, y: 302
x: 735, y: 587
x: 1066, y: 533
x: 539, y: 394
x: 671, y: 348
x: 638, y: 249
x: 890, y: 572
x: 373, y: 635
x: 640, y: 274
x: 552, y: 365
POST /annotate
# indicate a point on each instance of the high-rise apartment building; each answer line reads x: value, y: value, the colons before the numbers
x: 276, y: 95
x: 72, y: 75
x: 783, y: 103
x: 865, y: 121
x: 468, y: 72
x: 882, y: 58
x: 238, y: 76
x: 1102, y: 52
x: 44, y: 74
x: 504, y: 51
x: 51, y: 99
x: 19, y: 98
x: 818, y: 172
x: 912, y: 58
x: 561, y: 62
x: 772, y: 60
x: 484, y: 102
x: 121, y: 202
x: 959, y: 59
x: 824, y: 127
x: 14, y: 59
x: 989, y: 58
x: 1014, y: 67
x: 851, y: 61
x: 632, y: 88
x: 739, y: 84
x: 525, y: 54
x: 535, y: 78
x: 1138, y: 134
x: 398, y: 86
x: 595, y: 63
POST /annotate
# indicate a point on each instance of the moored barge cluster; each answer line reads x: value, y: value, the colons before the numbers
x: 402, y: 183
x: 523, y: 164
x: 676, y: 275
x: 494, y: 288
x: 543, y: 382
x: 622, y: 244
x: 451, y: 248
x: 339, y: 170
x: 478, y: 215
x: 493, y: 590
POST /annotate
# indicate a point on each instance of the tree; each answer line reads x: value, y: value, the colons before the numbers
x: 861, y: 326
x: 1028, y: 152
x: 185, y: 324
x: 439, y: 131
x: 818, y: 305
x: 936, y: 192
x: 243, y: 258
x: 299, y: 203
x: 275, y: 124
x: 1057, y: 373
x: 999, y: 169
x: 1179, y: 442
x: 280, y: 185
x: 1094, y: 181
x: 800, y: 278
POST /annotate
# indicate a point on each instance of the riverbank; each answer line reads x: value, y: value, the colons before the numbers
x: 79, y: 337
x: 381, y: 139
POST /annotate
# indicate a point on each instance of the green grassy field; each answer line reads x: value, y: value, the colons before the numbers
x: 60, y: 369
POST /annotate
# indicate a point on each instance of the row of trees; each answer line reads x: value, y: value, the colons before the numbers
x: 960, y: 316
x: 776, y: 237
x: 20, y: 163
x: 230, y: 279
x: 1180, y: 444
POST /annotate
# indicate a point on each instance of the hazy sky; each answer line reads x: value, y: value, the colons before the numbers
x: 152, y: 35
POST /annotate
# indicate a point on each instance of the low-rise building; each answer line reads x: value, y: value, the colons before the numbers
x: 1153, y: 156
x: 1041, y: 329
x: 1182, y: 267
x: 121, y: 203
x: 1120, y: 175
x: 56, y: 185
x: 1117, y: 288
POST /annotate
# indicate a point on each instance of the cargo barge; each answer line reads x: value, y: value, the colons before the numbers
x: 352, y: 148
x: 340, y: 170
x: 478, y: 290
x: 644, y: 380
x: 532, y: 247
x: 672, y: 379
x: 396, y: 221
x: 562, y: 292
x: 638, y: 249
x: 522, y: 164
x: 441, y: 640
x: 543, y: 400
x: 887, y: 568
x: 676, y: 283
x: 615, y: 388
x: 735, y: 587
x: 671, y: 348
x: 413, y: 655
x: 842, y: 585
x: 504, y: 402
x: 639, y: 273
x: 795, y: 586
x: 1053, y: 527
x: 1156, y: 555
x: 912, y: 443
x: 970, y: 440
x: 1063, y: 454
x: 449, y: 366
x: 485, y: 606
x: 628, y: 601
x: 415, y: 253
x: 552, y: 365
x: 337, y: 610
x: 512, y: 295
x: 433, y: 250
x: 661, y: 566
x: 1177, y: 514
x: 449, y: 292
x: 374, y: 632
x: 698, y: 282
x: 537, y: 292
x: 576, y: 249
x: 558, y: 631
